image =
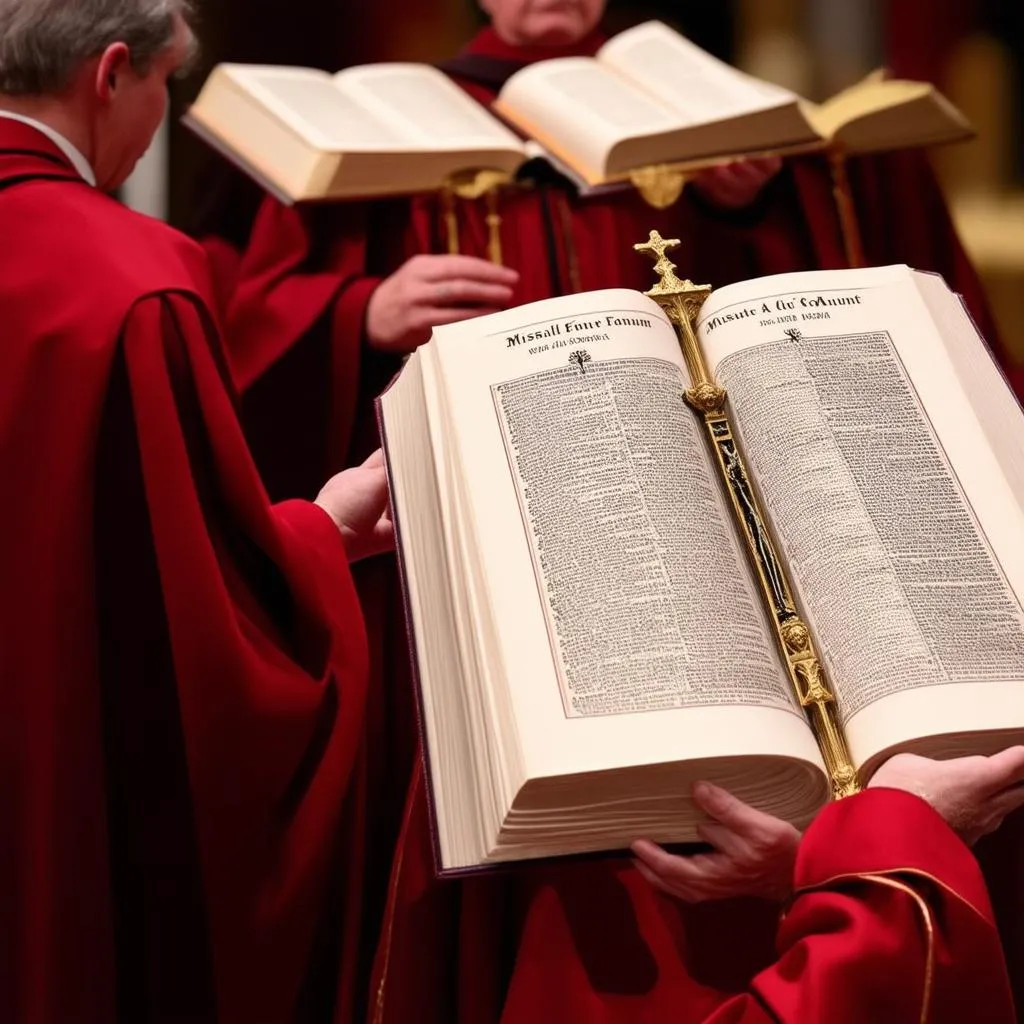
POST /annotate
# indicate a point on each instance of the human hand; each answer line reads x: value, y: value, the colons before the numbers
x: 357, y: 500
x: 973, y: 794
x: 735, y: 185
x: 427, y: 291
x: 754, y: 854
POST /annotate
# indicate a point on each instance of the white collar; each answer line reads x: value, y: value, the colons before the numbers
x: 78, y: 161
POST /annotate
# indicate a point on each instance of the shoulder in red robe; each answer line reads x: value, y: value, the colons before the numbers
x: 184, y: 664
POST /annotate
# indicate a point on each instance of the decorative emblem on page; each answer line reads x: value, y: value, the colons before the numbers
x: 580, y: 357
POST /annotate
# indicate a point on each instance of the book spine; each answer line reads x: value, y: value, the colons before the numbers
x: 681, y: 301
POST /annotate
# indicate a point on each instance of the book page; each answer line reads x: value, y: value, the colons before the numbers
x: 622, y: 604
x: 697, y: 86
x: 879, y: 113
x: 899, y: 527
x: 424, y: 107
x: 308, y: 101
x: 580, y: 110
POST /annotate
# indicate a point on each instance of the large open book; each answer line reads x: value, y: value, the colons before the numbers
x: 589, y: 636
x: 650, y: 97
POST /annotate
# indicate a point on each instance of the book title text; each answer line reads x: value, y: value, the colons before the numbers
x: 570, y: 332
x: 783, y: 304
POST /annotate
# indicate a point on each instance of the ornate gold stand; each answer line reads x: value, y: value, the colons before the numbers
x: 471, y: 186
x: 681, y: 301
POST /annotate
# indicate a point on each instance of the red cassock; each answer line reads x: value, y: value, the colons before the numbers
x: 183, y: 665
x: 890, y: 922
x: 580, y: 941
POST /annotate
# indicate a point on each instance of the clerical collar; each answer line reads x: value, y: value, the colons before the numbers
x: 80, y: 164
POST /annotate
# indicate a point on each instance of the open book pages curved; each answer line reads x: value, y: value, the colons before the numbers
x: 588, y: 634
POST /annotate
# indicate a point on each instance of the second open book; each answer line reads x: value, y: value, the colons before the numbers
x: 649, y: 97
x: 588, y: 634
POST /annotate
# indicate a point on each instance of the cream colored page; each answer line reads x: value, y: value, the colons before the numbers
x: 883, y: 113
x: 626, y: 619
x: 583, y: 107
x: 424, y: 107
x: 902, y: 536
x: 308, y: 101
x: 698, y: 87
x: 864, y: 99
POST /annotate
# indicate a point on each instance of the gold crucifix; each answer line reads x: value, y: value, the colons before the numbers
x: 682, y: 300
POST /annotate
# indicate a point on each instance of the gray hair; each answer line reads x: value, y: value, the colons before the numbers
x: 43, y: 42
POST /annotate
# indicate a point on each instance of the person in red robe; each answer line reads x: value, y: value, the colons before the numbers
x: 321, y: 307
x: 886, y: 919
x: 308, y: 284
x: 183, y: 664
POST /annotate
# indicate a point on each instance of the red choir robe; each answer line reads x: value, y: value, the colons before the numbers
x: 183, y: 664
x: 889, y: 923
x: 296, y: 308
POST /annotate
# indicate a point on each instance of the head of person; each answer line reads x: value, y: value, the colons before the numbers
x: 94, y: 70
x: 544, y: 22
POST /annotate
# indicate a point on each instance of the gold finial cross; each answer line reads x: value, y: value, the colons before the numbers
x: 681, y: 301
x: 656, y: 247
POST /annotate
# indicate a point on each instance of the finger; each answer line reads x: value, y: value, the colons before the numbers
x: 731, y: 811
x: 721, y: 178
x: 686, y: 893
x: 376, y: 459
x: 442, y: 268
x: 652, y: 877
x: 1005, y: 768
x: 460, y: 291
x: 689, y: 892
x: 769, y: 165
x: 744, y: 173
x: 1006, y: 802
x: 754, y: 173
x: 697, y: 869
x: 723, y: 839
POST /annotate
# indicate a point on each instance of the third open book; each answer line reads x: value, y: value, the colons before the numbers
x: 589, y: 636
x: 650, y: 96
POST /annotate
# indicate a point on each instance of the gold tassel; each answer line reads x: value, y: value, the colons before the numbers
x: 493, y: 227
x: 451, y: 221
x: 848, y: 225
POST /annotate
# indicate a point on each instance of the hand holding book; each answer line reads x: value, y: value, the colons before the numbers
x: 754, y: 853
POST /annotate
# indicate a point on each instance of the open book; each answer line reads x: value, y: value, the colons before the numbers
x: 650, y: 97
x: 589, y: 636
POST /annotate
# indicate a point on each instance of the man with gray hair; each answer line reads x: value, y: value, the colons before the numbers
x: 183, y: 664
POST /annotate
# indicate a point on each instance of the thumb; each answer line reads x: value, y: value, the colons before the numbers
x: 1006, y: 768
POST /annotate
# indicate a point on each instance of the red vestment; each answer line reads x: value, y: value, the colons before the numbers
x: 470, y: 951
x: 890, y: 913
x: 183, y: 665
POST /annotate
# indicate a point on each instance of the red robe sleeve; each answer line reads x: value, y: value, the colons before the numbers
x: 890, y: 923
x: 223, y: 704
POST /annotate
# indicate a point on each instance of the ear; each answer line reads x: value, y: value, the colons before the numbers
x: 113, y: 64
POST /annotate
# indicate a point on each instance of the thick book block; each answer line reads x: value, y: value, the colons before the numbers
x: 588, y: 636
